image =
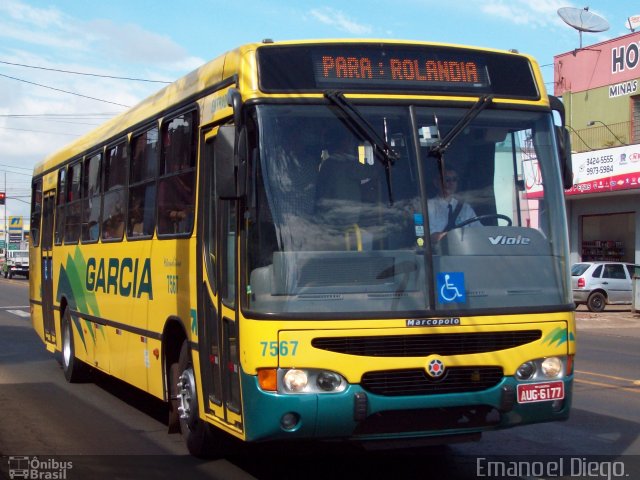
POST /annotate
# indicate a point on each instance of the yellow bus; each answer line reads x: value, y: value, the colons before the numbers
x: 258, y: 245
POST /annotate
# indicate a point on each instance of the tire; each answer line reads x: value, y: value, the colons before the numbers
x: 200, y: 438
x: 75, y: 371
x: 596, y: 302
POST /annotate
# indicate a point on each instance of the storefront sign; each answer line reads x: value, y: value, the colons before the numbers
x: 625, y: 88
x: 606, y: 170
x: 614, y: 64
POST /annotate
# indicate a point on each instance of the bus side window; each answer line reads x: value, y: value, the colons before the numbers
x: 91, y: 198
x: 176, y: 186
x: 60, y: 203
x: 36, y: 211
x: 113, y: 202
x: 142, y: 184
x: 73, y: 209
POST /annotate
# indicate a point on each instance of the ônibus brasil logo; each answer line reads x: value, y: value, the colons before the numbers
x: 35, y: 468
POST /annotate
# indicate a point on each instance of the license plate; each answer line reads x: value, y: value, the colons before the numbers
x: 540, y: 392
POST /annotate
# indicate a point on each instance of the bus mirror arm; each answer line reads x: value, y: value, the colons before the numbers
x: 566, y: 167
x: 234, y: 99
x: 241, y: 163
x: 226, y: 167
x: 563, y: 140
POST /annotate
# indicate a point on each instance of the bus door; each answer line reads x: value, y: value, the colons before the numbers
x: 218, y: 317
x: 46, y: 247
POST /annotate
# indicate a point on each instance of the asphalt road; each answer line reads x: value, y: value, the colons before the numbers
x: 109, y: 430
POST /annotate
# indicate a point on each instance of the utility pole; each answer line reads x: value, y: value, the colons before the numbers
x: 6, y: 239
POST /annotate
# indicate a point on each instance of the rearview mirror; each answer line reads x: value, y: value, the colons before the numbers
x: 226, y: 168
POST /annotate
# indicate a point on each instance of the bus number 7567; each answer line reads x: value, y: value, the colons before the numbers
x: 285, y: 348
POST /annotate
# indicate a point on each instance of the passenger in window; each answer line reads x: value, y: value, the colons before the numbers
x: 445, y: 210
x: 176, y: 203
x: 113, y: 223
x: 136, y: 217
x: 113, y: 228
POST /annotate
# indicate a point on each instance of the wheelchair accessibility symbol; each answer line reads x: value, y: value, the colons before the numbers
x: 451, y: 287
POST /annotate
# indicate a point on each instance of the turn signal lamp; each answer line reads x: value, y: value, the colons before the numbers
x: 268, y: 379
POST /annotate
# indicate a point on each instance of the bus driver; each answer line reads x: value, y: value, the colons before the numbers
x: 445, y: 210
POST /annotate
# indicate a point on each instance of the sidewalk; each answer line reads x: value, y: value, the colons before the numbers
x: 618, y: 319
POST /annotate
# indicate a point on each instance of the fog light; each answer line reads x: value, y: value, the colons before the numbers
x: 295, y: 380
x: 552, y: 367
x: 328, y: 381
x: 526, y: 371
x: 289, y: 421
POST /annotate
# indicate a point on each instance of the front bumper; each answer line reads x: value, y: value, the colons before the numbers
x: 359, y: 415
x: 581, y: 296
x: 19, y: 270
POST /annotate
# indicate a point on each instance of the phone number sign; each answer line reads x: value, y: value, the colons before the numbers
x: 606, y: 170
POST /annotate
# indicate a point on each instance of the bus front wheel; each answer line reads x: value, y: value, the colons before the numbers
x: 74, y: 370
x: 197, y: 434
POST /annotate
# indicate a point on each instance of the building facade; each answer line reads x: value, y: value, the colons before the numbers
x: 600, y: 88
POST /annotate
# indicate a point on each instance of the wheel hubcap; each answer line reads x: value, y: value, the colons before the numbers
x: 66, y: 347
x: 186, y: 395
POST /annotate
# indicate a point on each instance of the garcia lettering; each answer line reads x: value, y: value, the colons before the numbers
x: 126, y: 277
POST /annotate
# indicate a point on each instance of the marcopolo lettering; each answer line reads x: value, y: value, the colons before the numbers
x: 126, y: 277
x: 433, y: 322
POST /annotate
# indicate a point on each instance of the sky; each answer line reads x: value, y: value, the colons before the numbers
x: 146, y: 43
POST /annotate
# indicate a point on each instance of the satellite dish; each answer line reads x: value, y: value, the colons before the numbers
x: 583, y: 20
x: 633, y: 22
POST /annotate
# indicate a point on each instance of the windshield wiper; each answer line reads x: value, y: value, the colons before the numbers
x: 440, y: 147
x: 381, y: 147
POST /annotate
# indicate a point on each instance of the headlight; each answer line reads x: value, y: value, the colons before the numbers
x: 328, y: 381
x: 526, y: 371
x: 298, y: 380
x: 552, y: 367
x: 542, y: 369
x: 295, y: 381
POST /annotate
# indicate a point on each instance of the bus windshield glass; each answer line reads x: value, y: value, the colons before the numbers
x: 332, y: 230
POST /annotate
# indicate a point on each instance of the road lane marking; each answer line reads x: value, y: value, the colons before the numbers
x: 20, y: 313
x: 15, y: 306
x: 607, y: 385
x: 634, y: 381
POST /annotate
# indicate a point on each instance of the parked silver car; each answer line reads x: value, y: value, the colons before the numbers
x: 598, y: 284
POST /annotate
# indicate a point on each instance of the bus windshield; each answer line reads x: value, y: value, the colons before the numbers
x: 334, y: 231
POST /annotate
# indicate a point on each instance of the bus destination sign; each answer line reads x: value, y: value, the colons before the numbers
x: 414, y: 69
x: 394, y: 68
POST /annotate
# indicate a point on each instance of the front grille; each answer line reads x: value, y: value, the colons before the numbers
x: 429, y: 420
x: 430, y: 344
x: 417, y: 382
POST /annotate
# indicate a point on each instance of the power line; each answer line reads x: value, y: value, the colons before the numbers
x: 84, y: 73
x: 64, y: 91
x: 88, y: 116
x: 16, y: 173
x: 42, y: 131
x: 55, y: 120
x: 11, y: 166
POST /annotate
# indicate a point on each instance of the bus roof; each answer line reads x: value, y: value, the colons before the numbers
x: 209, y: 75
